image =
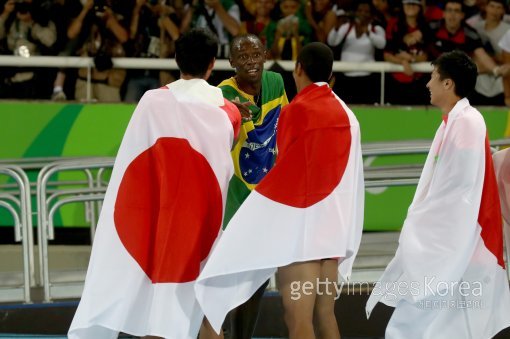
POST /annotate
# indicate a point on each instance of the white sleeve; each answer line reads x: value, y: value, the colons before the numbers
x: 504, y: 43
x: 335, y: 36
x: 235, y: 13
x: 377, y: 36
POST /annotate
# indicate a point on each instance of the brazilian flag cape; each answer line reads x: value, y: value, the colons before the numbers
x: 255, y: 150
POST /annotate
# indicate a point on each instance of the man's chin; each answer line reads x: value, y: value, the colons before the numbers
x: 254, y: 78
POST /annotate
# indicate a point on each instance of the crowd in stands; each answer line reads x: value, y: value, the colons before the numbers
x: 397, y: 31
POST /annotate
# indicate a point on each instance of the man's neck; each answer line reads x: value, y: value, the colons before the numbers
x: 188, y: 77
x: 453, y: 30
x: 449, y: 105
x: 491, y: 24
x: 248, y: 87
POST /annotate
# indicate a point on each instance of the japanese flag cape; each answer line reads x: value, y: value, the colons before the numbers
x: 308, y: 207
x: 162, y: 212
x: 447, y: 279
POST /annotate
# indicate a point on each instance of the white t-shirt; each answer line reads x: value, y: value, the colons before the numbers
x: 356, y: 49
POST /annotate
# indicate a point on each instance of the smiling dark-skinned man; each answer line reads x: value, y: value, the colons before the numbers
x: 260, y: 96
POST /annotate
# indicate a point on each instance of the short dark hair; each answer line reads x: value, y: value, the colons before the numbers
x: 461, y: 2
x: 239, y: 38
x: 195, y: 50
x: 316, y: 59
x: 459, y: 67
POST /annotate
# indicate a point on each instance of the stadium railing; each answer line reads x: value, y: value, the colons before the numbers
x: 220, y: 65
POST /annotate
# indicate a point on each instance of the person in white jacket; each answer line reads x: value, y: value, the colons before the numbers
x: 357, y: 41
x: 447, y: 279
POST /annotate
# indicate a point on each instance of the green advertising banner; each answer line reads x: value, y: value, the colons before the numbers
x: 42, y: 129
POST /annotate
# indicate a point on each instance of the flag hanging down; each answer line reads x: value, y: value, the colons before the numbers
x: 162, y: 212
x: 308, y: 207
x: 447, y: 279
x: 502, y: 169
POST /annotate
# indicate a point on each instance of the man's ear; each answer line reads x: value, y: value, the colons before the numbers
x: 209, y: 69
x: 449, y: 84
x: 298, y: 69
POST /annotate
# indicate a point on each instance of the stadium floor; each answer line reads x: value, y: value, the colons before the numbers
x: 52, y: 320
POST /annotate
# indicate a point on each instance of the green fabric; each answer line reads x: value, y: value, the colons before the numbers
x: 253, y: 154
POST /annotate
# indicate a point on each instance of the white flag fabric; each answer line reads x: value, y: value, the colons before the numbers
x: 162, y: 212
x: 502, y: 169
x: 308, y: 207
x: 447, y: 279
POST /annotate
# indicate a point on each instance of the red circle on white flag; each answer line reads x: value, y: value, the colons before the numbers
x: 168, y: 210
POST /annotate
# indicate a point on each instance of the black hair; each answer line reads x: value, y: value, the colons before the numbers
x: 458, y: 67
x: 195, y: 50
x: 461, y: 2
x: 235, y: 41
x: 316, y: 59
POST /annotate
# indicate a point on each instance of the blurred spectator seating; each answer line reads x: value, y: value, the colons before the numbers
x: 222, y: 17
x: 292, y: 31
x: 407, y: 39
x: 357, y: 41
x: 489, y: 88
x: 25, y: 31
x: 154, y: 28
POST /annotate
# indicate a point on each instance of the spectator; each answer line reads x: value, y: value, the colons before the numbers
x: 433, y: 13
x: 153, y: 29
x: 384, y: 12
x: 26, y: 34
x: 455, y: 34
x: 504, y: 44
x: 62, y: 12
x: 407, y: 40
x: 292, y: 31
x: 321, y: 17
x: 489, y: 88
x: 262, y: 25
x: 472, y: 7
x: 99, y: 26
x: 357, y: 41
x: 222, y: 17
x: 475, y: 19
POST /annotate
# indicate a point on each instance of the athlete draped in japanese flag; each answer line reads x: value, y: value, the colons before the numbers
x: 164, y: 206
x: 447, y: 279
x: 304, y: 218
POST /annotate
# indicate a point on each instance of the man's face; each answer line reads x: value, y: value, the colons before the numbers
x: 453, y: 16
x: 363, y: 13
x: 248, y: 57
x: 494, y: 11
x: 289, y: 7
x: 435, y: 87
x: 264, y: 7
x: 412, y: 10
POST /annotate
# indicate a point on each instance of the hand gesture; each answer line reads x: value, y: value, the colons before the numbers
x: 9, y: 7
x: 243, y: 109
x: 504, y: 70
x: 88, y: 5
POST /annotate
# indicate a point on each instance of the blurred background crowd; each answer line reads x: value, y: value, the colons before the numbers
x: 397, y: 31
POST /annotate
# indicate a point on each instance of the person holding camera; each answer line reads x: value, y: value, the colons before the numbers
x: 98, y: 25
x: 26, y: 34
x: 292, y: 31
x: 221, y: 17
x: 153, y: 30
